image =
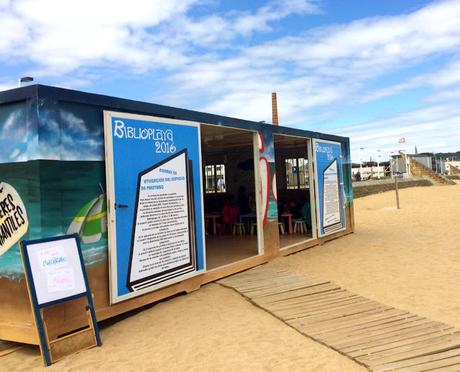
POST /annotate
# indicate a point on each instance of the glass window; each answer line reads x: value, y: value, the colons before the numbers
x: 291, y: 173
x: 296, y: 173
x: 303, y: 173
x: 209, y: 178
x: 215, y: 178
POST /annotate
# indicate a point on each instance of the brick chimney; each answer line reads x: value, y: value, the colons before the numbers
x: 274, y: 109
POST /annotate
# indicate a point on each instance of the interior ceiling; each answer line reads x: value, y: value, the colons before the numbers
x: 215, y: 138
x: 282, y: 141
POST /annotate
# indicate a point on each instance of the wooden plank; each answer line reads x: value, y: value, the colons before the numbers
x: 415, y: 324
x: 323, y: 301
x: 451, y: 368
x: 262, y: 272
x: 249, y: 281
x: 377, y: 322
x: 70, y: 344
x: 341, y: 313
x: 311, y: 310
x: 453, y: 362
x: 315, y: 306
x: 412, y: 340
x: 377, y: 328
x: 405, y: 364
x: 23, y: 332
x: 272, y: 290
x: 7, y: 347
x: 311, y: 292
x: 338, y: 324
x: 312, y: 295
x: 256, y: 274
x: 337, y: 308
x: 397, y: 333
x: 443, y: 343
x: 256, y: 284
x: 271, y: 282
x: 331, y: 323
x: 280, y: 285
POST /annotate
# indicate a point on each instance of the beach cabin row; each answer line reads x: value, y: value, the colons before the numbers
x: 163, y: 199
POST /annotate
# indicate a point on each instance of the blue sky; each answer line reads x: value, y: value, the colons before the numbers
x: 375, y: 71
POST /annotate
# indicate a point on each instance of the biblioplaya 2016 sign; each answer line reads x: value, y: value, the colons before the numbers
x: 329, y: 183
x: 155, y: 213
x: 13, y: 217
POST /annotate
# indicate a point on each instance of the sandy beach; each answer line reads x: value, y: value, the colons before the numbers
x: 407, y: 258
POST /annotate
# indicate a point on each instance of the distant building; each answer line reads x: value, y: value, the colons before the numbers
x: 449, y: 163
x: 399, y: 162
x: 370, y: 170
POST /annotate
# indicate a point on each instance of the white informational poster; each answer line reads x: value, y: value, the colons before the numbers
x: 13, y: 217
x: 56, y: 270
x: 331, y: 196
x: 162, y: 245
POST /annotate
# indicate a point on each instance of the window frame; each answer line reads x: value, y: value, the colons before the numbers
x: 215, y: 177
x: 295, y: 163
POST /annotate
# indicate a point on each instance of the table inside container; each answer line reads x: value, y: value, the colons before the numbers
x: 288, y: 216
x: 213, y: 217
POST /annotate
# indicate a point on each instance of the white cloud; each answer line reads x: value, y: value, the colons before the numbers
x: 431, y: 129
x: 448, y: 75
x: 322, y: 68
x: 207, y: 65
x: 446, y: 95
x: 62, y: 36
x: 217, y: 30
x: 65, y: 35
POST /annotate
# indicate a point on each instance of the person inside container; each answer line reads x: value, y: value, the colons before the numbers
x: 229, y: 215
x: 243, y: 201
x: 306, y: 213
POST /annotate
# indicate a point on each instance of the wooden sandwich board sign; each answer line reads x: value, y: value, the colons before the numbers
x: 55, y: 273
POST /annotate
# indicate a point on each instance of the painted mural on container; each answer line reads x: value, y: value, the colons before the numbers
x: 63, y: 189
x: 267, y: 171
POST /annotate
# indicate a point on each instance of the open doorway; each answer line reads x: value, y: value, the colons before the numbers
x: 231, y: 223
x: 294, y: 188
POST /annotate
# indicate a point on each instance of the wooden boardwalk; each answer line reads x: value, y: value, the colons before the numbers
x: 377, y: 336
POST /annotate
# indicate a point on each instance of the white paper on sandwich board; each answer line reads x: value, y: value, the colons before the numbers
x: 56, y: 270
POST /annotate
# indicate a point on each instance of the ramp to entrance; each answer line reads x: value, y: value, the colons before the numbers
x: 375, y: 335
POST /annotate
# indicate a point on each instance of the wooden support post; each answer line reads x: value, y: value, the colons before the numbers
x: 397, y: 191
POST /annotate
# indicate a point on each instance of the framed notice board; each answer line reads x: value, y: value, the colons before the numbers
x: 55, y: 273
